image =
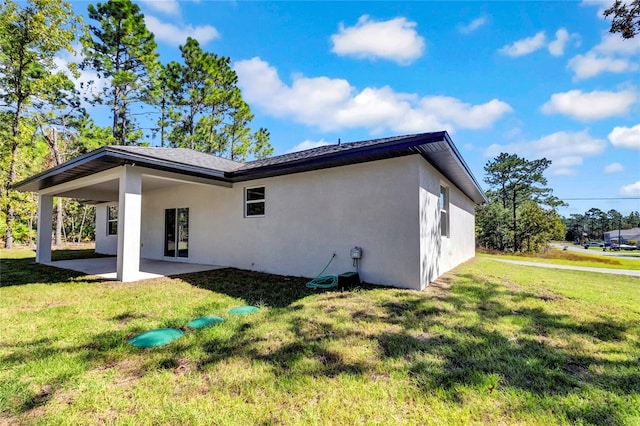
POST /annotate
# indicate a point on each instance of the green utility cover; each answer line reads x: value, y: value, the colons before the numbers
x: 204, y: 322
x: 157, y: 337
x: 243, y: 310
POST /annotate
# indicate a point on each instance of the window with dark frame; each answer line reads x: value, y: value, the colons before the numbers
x: 112, y: 220
x: 444, y: 211
x: 254, y: 201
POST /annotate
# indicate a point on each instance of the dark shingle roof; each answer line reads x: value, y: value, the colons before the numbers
x: 318, y: 152
x: 437, y: 148
x: 182, y: 156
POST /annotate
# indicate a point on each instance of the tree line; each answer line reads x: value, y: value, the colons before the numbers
x: 44, y: 118
x: 521, y: 214
x: 594, y: 223
x: 44, y: 112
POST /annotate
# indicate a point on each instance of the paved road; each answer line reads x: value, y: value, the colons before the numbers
x: 581, y: 249
x: 573, y: 268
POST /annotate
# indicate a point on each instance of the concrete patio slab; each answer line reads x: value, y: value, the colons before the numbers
x: 105, y: 267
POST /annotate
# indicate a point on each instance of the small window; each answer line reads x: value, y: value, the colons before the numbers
x: 254, y: 201
x: 112, y: 220
x: 444, y: 211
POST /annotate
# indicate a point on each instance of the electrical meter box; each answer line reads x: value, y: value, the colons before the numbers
x: 356, y: 253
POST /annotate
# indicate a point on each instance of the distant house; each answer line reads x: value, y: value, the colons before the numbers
x: 407, y: 201
x: 625, y: 235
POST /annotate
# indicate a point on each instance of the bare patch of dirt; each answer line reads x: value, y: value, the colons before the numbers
x: 184, y: 366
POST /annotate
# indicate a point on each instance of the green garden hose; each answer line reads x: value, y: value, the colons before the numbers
x: 326, y: 281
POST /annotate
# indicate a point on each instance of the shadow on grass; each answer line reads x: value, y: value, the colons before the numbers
x: 469, y: 354
x: 531, y: 361
x: 442, y: 339
x: 25, y: 270
x: 255, y: 288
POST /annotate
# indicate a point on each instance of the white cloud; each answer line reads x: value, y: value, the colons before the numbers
x: 177, y: 35
x: 591, y: 106
x: 614, y: 168
x: 612, y: 54
x: 566, y: 150
x: 472, y: 26
x: 601, y: 4
x: 395, y: 40
x: 614, y: 44
x: 168, y: 7
x: 466, y: 115
x: 529, y: 45
x: 88, y: 83
x: 565, y: 166
x: 592, y: 64
x: 308, y: 144
x: 525, y: 46
x: 332, y: 104
x: 625, y: 137
x: 556, y: 47
x: 631, y: 190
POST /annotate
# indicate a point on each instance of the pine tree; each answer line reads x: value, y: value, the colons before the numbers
x: 121, y: 48
x: 515, y: 181
x: 206, y: 111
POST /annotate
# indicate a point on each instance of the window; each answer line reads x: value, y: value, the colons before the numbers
x: 176, y: 232
x: 254, y: 201
x: 444, y: 211
x: 112, y: 220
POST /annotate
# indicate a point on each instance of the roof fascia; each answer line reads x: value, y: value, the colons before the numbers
x: 465, y: 167
x: 67, y: 165
x: 121, y: 158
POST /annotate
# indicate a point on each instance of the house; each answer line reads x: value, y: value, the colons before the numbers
x: 407, y: 202
x: 625, y: 235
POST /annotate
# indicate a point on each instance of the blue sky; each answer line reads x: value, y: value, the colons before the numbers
x: 539, y: 79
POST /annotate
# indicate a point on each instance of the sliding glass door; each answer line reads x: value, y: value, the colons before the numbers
x: 176, y: 232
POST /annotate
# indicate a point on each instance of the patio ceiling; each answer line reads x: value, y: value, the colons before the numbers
x: 107, y: 190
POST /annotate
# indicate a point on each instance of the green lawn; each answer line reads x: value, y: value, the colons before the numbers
x: 489, y: 343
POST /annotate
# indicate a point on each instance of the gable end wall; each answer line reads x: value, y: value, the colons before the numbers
x: 439, y: 254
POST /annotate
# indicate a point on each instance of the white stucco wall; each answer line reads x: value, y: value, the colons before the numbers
x: 439, y: 254
x: 389, y: 208
x: 309, y: 216
x: 105, y: 244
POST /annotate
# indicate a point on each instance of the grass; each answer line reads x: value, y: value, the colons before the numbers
x: 487, y: 344
x: 572, y: 258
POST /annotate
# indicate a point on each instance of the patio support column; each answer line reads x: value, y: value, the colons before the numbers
x: 129, y: 219
x: 45, y: 226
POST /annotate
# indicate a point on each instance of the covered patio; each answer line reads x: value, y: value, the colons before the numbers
x: 121, y: 175
x: 106, y: 267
